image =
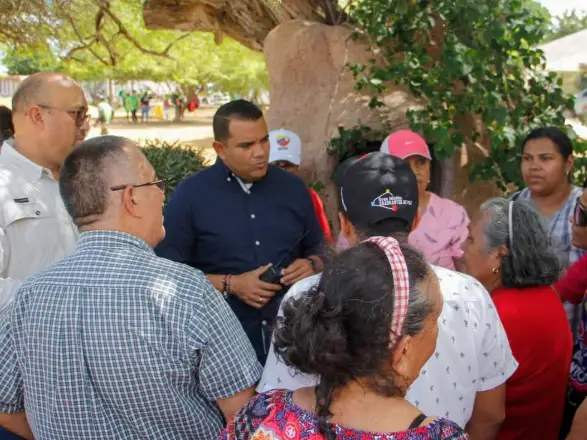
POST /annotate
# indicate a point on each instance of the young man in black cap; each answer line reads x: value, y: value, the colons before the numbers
x: 464, y: 380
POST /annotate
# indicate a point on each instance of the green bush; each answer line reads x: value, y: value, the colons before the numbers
x: 172, y: 161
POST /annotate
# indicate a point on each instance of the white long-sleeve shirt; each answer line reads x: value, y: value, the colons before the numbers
x: 35, y: 229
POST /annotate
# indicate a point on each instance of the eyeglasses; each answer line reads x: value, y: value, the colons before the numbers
x: 158, y: 183
x: 80, y: 116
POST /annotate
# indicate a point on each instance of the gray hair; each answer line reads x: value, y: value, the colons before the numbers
x: 84, y: 182
x: 531, y: 259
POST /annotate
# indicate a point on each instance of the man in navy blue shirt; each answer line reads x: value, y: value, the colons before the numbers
x: 250, y: 227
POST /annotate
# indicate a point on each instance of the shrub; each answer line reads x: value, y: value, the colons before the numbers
x: 172, y: 161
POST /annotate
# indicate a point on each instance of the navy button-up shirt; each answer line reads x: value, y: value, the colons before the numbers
x: 216, y: 224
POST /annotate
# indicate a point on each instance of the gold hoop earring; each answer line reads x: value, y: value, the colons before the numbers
x: 495, y: 270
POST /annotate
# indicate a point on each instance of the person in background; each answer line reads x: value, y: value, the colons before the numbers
x: 114, y: 342
x: 547, y: 163
x: 6, y: 125
x: 145, y: 106
x: 50, y: 115
x: 250, y: 227
x: 177, y: 102
x: 132, y: 105
x: 166, y: 105
x: 105, y: 113
x: 365, y: 331
x: 464, y: 380
x: 443, y: 223
x: 286, y: 153
x: 510, y: 252
x: 122, y: 103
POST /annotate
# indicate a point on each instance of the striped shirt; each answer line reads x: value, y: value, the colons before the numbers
x: 114, y: 342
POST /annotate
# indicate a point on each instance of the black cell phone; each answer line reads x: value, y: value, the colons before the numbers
x: 273, y: 274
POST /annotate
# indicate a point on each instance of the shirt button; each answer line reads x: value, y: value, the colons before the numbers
x: 38, y: 212
x: 257, y: 243
x: 252, y: 215
x: 228, y: 179
x: 263, y: 322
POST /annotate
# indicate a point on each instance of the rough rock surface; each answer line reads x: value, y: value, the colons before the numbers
x: 313, y: 94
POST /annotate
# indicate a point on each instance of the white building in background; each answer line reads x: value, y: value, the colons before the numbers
x: 567, y: 54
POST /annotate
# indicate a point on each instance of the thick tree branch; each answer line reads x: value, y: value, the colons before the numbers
x: 84, y: 46
x: 105, y: 6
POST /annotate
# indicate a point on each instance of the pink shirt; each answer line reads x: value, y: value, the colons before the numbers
x: 441, y: 232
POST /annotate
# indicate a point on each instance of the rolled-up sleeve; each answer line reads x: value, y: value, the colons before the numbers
x: 11, y: 384
x: 228, y: 363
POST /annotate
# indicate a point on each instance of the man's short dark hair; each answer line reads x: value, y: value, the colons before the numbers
x: 84, y: 183
x: 240, y: 109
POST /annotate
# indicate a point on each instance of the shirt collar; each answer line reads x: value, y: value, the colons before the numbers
x: 226, y: 172
x: 112, y: 239
x: 27, y: 167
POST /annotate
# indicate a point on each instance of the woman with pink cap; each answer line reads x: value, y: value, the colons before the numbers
x: 443, y: 223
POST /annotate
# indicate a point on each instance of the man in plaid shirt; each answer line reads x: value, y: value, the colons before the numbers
x: 114, y: 342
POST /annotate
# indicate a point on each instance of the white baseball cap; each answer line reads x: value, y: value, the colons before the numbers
x: 285, y: 145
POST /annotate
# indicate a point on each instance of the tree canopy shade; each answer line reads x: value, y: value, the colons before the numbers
x: 99, y: 39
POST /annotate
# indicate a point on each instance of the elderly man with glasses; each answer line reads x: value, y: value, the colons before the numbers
x: 113, y: 341
x: 50, y: 118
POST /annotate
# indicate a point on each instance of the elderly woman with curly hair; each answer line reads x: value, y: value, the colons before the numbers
x: 509, y: 251
x: 366, y: 330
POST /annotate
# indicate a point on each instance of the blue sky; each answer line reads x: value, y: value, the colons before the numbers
x: 557, y: 7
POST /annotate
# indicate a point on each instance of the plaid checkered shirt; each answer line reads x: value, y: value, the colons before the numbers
x: 115, y: 342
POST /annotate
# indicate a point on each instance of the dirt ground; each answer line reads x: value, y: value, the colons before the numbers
x: 195, y: 130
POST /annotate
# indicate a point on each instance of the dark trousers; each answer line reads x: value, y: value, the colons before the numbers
x: 134, y: 116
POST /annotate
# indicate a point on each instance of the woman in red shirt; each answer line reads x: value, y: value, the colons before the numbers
x: 509, y: 251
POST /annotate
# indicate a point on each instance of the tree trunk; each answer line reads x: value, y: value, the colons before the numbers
x: 246, y: 21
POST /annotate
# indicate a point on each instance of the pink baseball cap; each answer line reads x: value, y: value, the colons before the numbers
x: 405, y: 143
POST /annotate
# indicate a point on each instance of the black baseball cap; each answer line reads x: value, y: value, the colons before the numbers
x: 376, y: 187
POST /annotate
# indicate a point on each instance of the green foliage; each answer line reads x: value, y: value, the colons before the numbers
x: 317, y: 186
x: 19, y: 62
x: 463, y: 58
x: 172, y: 161
x: 355, y: 142
x: 566, y: 24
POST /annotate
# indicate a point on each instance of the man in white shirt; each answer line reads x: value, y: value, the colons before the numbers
x: 464, y: 380
x: 50, y: 119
